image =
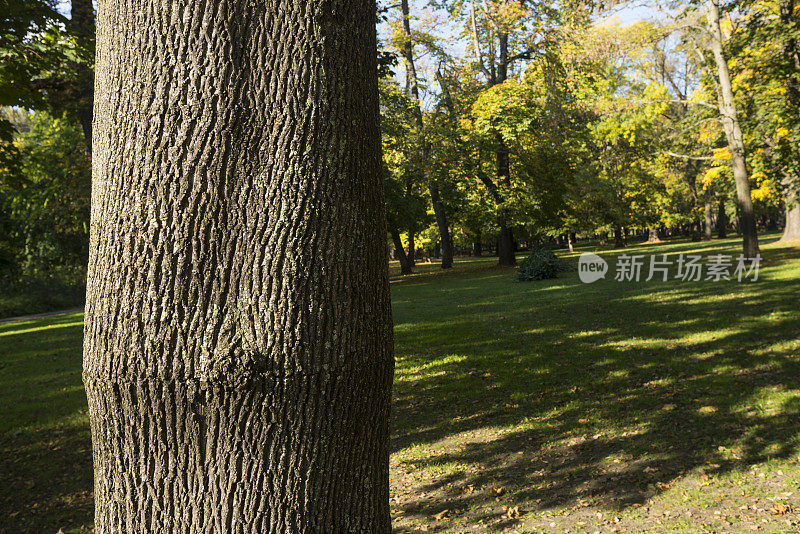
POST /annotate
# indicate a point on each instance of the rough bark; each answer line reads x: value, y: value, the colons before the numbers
x: 400, y: 252
x: 652, y: 235
x: 733, y: 133
x: 238, y: 358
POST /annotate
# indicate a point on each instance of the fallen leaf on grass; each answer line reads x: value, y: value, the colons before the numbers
x: 441, y: 516
x: 498, y: 491
x: 779, y: 509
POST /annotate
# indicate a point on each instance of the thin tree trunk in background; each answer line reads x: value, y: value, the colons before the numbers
x: 412, y: 84
x: 619, y: 241
x: 733, y: 133
x: 400, y: 252
x: 791, y: 52
x: 477, y: 245
x: 82, y: 26
x: 441, y: 221
x: 412, y: 248
x: 570, y: 242
x: 652, y: 235
x: 708, y: 215
x: 505, y: 244
x: 238, y: 341
x: 722, y: 220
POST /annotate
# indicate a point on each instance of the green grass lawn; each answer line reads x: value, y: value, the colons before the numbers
x: 523, y: 407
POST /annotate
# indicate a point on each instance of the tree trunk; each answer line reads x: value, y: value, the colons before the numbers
x: 791, y: 231
x: 444, y: 230
x: 412, y: 248
x: 708, y: 215
x: 238, y: 355
x: 571, y: 241
x: 619, y: 241
x: 477, y: 245
x: 82, y: 26
x: 722, y: 220
x: 505, y: 243
x: 400, y: 252
x: 791, y: 53
x: 412, y: 86
x: 652, y: 235
x: 733, y: 133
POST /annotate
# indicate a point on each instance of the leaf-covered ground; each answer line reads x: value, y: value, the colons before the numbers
x: 521, y: 407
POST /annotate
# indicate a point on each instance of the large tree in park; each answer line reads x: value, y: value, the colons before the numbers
x: 238, y: 354
x: 733, y: 132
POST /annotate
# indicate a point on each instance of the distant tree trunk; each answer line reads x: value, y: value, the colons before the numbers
x: 82, y: 26
x: 652, y: 235
x: 571, y: 241
x: 791, y: 231
x: 413, y: 88
x: 733, y: 133
x: 791, y: 52
x: 722, y: 220
x: 400, y: 252
x: 412, y: 248
x: 477, y: 246
x: 238, y: 341
x: 619, y: 240
x: 708, y: 212
x: 444, y: 230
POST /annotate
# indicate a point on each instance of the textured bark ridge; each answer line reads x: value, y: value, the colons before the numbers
x: 238, y: 358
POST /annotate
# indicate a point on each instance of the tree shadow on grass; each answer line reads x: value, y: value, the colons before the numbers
x: 45, y: 447
x: 563, y: 393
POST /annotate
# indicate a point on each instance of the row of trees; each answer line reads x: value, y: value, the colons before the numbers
x: 548, y: 122
x: 46, y: 95
x: 543, y: 123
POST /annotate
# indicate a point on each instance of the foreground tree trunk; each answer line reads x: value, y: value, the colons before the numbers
x: 238, y: 358
x: 733, y: 133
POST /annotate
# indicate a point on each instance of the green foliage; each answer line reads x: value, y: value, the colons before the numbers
x: 44, y: 208
x: 541, y: 264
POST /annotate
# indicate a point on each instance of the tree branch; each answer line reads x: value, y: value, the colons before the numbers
x: 687, y: 156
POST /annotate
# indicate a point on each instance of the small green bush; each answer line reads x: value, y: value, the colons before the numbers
x: 541, y: 264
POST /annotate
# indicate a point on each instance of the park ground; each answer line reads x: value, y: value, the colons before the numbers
x: 549, y: 406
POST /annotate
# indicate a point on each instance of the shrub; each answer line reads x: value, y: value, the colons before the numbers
x: 541, y: 264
